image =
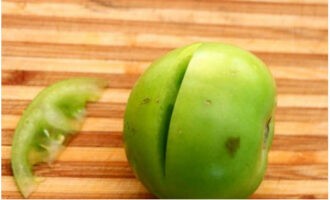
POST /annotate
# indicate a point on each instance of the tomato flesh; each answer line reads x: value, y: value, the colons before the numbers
x: 53, y: 116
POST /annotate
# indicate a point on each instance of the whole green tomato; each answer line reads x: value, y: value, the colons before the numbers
x: 199, y: 123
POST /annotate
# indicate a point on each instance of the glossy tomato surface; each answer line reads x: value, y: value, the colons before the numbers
x: 199, y: 123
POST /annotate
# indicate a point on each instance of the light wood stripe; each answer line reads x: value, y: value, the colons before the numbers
x: 59, y: 195
x: 160, y: 40
x: 89, y: 185
x: 298, y: 157
x: 109, y: 186
x: 287, y: 1
x: 10, y: 92
x: 117, y: 154
x: 290, y: 196
x: 301, y: 128
x: 122, y: 170
x: 302, y: 2
x: 301, y: 73
x: 316, y: 101
x: 275, y: 187
x: 86, y: 154
x: 115, y: 125
x: 29, y: 92
x: 78, y: 65
x: 116, y: 110
x: 168, y: 15
x: 178, y: 29
x: 290, y: 71
x: 297, y: 172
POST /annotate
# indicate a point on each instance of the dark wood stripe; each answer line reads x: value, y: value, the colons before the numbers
x: 210, y: 5
x: 114, y: 139
x: 122, y: 170
x: 61, y: 195
x: 293, y: 86
x: 286, y: 59
x: 301, y: 114
x: 97, y: 139
x: 81, y: 139
x: 220, y: 6
x: 52, y: 50
x: 299, y: 143
x: 180, y: 29
x: 116, y: 110
x: 44, y: 78
x: 81, y: 169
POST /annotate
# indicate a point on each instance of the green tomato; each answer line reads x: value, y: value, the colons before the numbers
x: 52, y: 117
x: 199, y: 123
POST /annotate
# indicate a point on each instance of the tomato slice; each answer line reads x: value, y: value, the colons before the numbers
x: 53, y: 116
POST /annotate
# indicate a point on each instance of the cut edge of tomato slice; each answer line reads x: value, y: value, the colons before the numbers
x: 55, y: 114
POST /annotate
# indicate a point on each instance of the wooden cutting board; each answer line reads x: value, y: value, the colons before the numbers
x: 48, y: 40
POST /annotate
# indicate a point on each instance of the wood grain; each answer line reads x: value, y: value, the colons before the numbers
x: 32, y: 22
x: 296, y: 69
x: 45, y: 41
x: 165, y: 41
x: 116, y: 124
x: 116, y: 110
x: 42, y: 78
x: 96, y: 10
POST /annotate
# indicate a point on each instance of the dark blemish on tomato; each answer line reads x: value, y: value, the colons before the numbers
x: 133, y: 131
x: 208, y: 102
x: 145, y: 101
x: 232, y: 144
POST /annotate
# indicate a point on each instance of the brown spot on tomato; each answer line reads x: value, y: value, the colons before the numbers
x: 145, y: 100
x: 208, y: 102
x: 232, y: 144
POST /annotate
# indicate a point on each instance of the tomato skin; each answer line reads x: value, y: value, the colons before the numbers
x: 199, y: 123
x: 52, y: 117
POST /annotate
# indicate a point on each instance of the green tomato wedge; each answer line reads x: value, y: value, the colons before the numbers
x: 46, y: 125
